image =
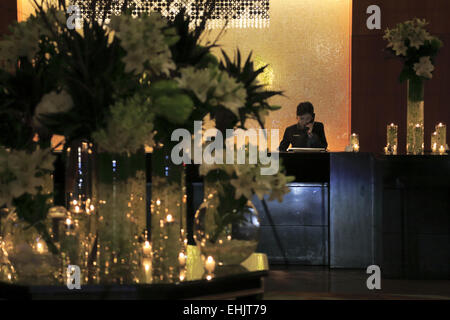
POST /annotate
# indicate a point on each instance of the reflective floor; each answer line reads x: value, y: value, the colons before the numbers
x: 305, y: 283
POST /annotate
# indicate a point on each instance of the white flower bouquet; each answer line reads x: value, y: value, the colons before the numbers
x: 416, y: 46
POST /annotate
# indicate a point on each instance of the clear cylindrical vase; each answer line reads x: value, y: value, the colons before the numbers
x: 168, y: 217
x: 415, y: 117
x: 121, y: 210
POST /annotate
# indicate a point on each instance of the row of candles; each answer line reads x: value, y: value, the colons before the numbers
x: 438, y: 138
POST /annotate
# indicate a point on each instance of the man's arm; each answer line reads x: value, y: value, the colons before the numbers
x: 284, y: 144
x: 317, y: 138
x: 322, y: 139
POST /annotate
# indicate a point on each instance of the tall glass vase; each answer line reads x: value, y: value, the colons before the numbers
x: 121, y: 198
x: 415, y: 117
x: 78, y: 228
x: 168, y: 217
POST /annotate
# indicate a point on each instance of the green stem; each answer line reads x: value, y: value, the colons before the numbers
x: 416, y: 90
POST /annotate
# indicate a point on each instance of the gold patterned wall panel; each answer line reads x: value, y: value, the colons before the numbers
x: 308, y: 47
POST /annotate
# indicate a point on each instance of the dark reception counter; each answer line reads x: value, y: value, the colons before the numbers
x: 352, y: 210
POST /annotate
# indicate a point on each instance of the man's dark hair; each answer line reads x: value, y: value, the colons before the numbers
x: 304, y: 108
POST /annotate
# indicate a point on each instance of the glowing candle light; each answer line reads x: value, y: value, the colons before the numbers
x: 147, y: 248
x: 147, y: 263
x: 182, y: 275
x: 356, y: 147
x: 182, y: 259
x: 392, y: 138
x: 441, y: 150
x: 441, y: 134
x: 40, y: 246
x: 434, y: 142
x: 169, y: 218
x: 210, y: 264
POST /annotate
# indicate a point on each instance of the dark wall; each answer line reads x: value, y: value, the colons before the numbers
x: 377, y: 96
x: 8, y: 14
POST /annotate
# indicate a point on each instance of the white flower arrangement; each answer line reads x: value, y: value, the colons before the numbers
x: 424, y: 68
x: 25, y: 37
x: 129, y: 127
x: 215, y: 86
x: 52, y: 103
x: 22, y: 172
x: 247, y: 180
x: 411, y: 41
x: 146, y: 41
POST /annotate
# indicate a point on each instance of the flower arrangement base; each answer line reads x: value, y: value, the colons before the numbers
x: 228, y: 244
x: 24, y: 256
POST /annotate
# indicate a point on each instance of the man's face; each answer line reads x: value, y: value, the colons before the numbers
x: 304, y: 119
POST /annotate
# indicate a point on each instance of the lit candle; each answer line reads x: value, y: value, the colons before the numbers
x: 434, y: 142
x: 354, y: 139
x: 182, y: 275
x: 441, y: 150
x: 147, y: 263
x: 418, y: 139
x: 392, y: 138
x: 210, y: 264
x: 441, y: 134
x: 386, y: 150
x: 182, y: 259
x: 356, y: 147
x: 40, y: 246
x: 147, y: 248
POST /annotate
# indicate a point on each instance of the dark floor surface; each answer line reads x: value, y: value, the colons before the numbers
x: 306, y: 282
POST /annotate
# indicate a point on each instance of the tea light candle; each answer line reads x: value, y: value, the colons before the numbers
x: 147, y: 263
x: 356, y: 147
x: 147, y: 248
x: 182, y: 259
x: 210, y: 264
x: 434, y: 142
x: 40, y: 246
x: 392, y: 137
x: 182, y: 275
x: 441, y: 132
x: 418, y: 139
x: 354, y: 139
x: 441, y: 150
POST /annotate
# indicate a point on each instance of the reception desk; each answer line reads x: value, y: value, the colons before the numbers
x: 352, y: 210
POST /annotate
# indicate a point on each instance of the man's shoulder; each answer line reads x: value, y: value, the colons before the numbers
x: 291, y: 128
x: 319, y: 124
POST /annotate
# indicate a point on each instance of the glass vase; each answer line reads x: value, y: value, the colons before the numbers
x: 77, y: 228
x: 415, y: 117
x: 121, y: 210
x: 226, y: 229
x: 168, y: 217
x: 24, y: 255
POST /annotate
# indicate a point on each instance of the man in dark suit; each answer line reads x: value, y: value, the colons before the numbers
x: 306, y: 133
